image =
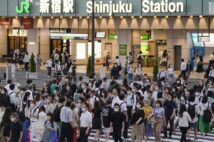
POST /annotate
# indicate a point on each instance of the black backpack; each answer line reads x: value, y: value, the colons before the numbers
x: 191, y: 111
x: 207, y: 115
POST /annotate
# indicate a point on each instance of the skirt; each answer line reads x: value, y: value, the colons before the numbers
x: 96, y: 123
x: 203, y: 126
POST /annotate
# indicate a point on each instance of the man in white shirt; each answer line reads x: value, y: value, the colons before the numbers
x: 85, y: 123
x: 66, y: 119
x: 7, y: 87
x: 183, y: 67
x: 13, y: 97
x: 115, y: 99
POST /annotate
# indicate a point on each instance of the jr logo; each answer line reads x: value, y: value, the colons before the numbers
x: 24, y: 7
x: 211, y: 8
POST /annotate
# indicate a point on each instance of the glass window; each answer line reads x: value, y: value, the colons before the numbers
x: 97, y: 49
x: 80, y: 49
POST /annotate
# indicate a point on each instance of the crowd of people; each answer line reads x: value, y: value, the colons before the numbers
x: 67, y: 108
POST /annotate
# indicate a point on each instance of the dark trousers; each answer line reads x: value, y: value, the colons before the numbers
x: 129, y: 111
x: 171, y: 122
x: 26, y: 66
x: 117, y: 135
x: 49, y: 71
x: 126, y: 127
x: 66, y: 132
x: 183, y: 134
x: 83, y: 137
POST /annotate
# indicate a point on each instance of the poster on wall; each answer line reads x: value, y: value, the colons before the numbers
x: 122, y: 49
x: 136, y: 50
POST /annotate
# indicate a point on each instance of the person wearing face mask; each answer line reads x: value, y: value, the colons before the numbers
x: 147, y: 119
x: 160, y: 122
x: 56, y: 114
x: 49, y: 106
x: 85, y: 123
x: 115, y: 72
x: 131, y: 100
x: 170, y: 113
x: 138, y: 123
x: 117, y: 123
x: 106, y: 117
x: 15, y: 129
x: 34, y: 111
x: 50, y: 128
x: 66, y: 116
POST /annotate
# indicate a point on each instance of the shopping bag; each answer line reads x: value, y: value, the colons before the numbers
x: 54, y: 136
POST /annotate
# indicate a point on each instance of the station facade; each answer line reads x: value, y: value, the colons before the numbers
x: 182, y: 27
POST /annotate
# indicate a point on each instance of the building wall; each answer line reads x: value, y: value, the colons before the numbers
x: 3, y: 41
x: 44, y: 44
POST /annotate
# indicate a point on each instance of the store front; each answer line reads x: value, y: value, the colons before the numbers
x: 120, y: 27
x: 17, y: 41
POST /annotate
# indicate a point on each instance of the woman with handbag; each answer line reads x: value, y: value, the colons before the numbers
x: 184, y: 120
x: 50, y: 133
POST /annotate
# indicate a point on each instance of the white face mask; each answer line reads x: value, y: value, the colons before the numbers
x: 83, y: 109
x: 116, y: 109
x: 55, y: 92
x: 138, y: 106
x: 12, y: 119
x: 31, y: 105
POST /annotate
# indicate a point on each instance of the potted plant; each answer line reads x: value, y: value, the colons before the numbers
x: 155, y: 70
x: 32, y: 74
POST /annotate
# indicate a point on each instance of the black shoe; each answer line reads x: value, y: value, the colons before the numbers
x: 126, y: 137
x: 170, y: 137
x: 165, y: 137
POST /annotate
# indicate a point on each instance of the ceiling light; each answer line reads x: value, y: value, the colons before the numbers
x: 179, y: 16
x: 200, y: 16
x: 155, y: 17
x: 88, y: 17
x: 190, y: 16
x: 34, y: 17
x: 111, y: 17
x: 80, y: 17
x: 70, y: 17
x: 132, y: 17
x: 100, y: 17
x: 121, y: 17
x: 141, y: 17
x: 61, y: 17
x: 166, y: 17
x: 52, y: 17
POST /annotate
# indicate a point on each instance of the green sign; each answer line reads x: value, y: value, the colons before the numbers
x: 112, y: 36
x: 144, y: 37
x: 23, y: 8
x: 144, y: 47
x: 122, y: 49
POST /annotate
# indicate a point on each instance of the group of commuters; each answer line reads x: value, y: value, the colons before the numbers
x: 68, y: 108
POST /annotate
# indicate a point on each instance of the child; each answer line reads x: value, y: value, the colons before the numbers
x: 50, y: 129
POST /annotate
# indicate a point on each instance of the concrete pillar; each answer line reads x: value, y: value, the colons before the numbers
x: 124, y: 37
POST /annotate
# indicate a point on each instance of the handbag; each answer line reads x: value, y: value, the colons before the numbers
x: 54, y: 136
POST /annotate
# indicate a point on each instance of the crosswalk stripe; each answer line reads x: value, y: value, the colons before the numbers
x: 175, y: 137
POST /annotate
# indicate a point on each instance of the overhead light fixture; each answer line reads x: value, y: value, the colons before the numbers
x: 25, y: 17
x: 155, y: 17
x: 34, y: 17
x: 40, y: 17
x: 110, y: 17
x: 200, y: 16
x: 166, y: 17
x: 88, y: 17
x: 132, y: 17
x: 121, y: 17
x: 61, y: 17
x: 190, y: 16
x: 70, y: 17
x: 80, y: 17
x: 179, y: 16
x: 16, y: 17
x: 52, y: 17
x: 140, y: 17
x: 100, y: 17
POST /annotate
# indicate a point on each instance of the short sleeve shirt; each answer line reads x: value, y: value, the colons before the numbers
x: 16, y: 128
